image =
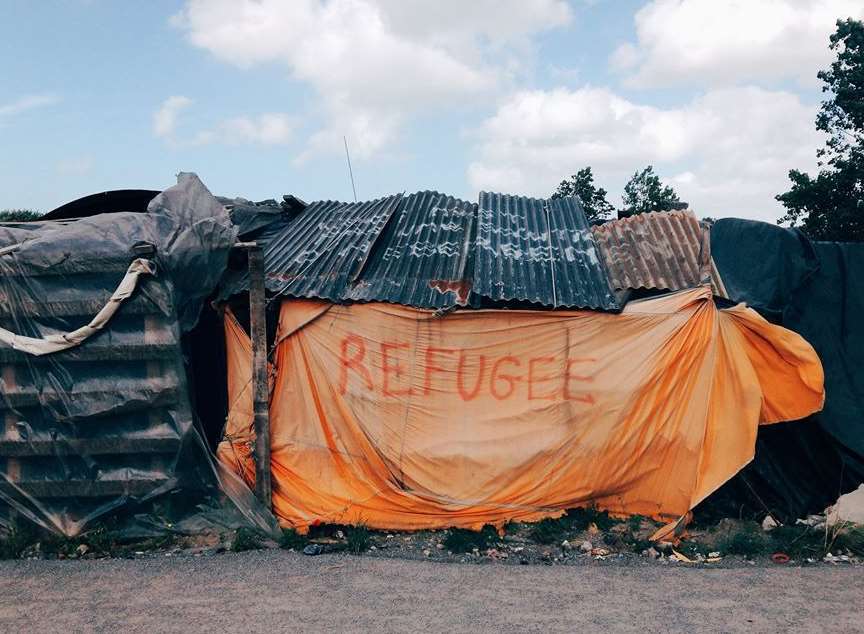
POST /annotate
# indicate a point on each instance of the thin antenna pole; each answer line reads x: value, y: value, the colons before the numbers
x: 350, y: 171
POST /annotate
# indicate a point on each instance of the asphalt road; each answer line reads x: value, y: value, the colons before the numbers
x: 276, y: 591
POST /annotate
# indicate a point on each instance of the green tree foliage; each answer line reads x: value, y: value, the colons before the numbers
x: 644, y: 192
x: 831, y: 205
x: 581, y: 184
x: 18, y: 215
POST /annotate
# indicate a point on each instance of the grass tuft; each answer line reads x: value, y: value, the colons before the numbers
x: 357, y: 538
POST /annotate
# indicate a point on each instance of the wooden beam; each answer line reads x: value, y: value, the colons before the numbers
x: 261, y: 393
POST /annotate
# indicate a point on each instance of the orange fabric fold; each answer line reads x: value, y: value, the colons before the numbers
x: 400, y: 419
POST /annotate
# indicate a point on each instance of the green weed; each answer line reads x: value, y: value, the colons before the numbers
x: 246, y: 539
x: 357, y: 538
x: 462, y: 540
x: 292, y: 539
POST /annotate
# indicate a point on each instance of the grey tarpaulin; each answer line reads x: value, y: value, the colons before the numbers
x: 108, y: 423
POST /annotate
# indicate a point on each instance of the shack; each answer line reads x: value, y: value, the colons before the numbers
x: 444, y: 363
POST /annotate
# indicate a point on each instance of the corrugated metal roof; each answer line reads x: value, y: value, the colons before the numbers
x: 325, y: 248
x: 423, y: 255
x: 431, y: 250
x: 662, y: 250
x: 539, y: 251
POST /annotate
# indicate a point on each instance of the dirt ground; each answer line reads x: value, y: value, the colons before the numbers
x: 275, y: 590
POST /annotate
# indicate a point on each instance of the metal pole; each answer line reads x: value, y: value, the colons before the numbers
x: 261, y: 394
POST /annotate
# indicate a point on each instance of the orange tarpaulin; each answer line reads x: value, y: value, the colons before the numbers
x: 401, y: 419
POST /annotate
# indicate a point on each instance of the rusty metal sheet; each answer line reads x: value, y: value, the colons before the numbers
x: 667, y: 250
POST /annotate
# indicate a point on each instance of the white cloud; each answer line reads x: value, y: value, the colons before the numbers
x: 726, y: 152
x: 165, y: 118
x: 731, y: 41
x: 23, y: 104
x: 270, y: 128
x: 375, y: 63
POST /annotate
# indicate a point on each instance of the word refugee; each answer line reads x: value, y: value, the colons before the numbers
x: 390, y: 368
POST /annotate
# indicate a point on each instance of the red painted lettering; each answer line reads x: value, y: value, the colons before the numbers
x: 460, y: 373
x: 508, y: 378
x: 396, y: 369
x: 584, y: 378
x: 354, y: 362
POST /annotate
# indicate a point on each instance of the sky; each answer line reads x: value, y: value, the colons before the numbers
x: 458, y: 96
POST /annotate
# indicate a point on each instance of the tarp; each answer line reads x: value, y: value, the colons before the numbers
x: 817, y: 290
x: 397, y: 418
x: 94, y: 394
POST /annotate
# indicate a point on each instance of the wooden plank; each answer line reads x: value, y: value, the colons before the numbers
x: 261, y: 394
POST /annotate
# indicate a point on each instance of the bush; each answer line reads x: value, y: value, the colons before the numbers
x: 549, y: 531
x: 18, y: 215
x: 581, y: 518
x: 634, y: 522
x: 462, y: 540
x: 16, y: 540
x: 246, y: 539
x: 292, y: 539
x: 798, y: 541
x: 746, y: 543
x: 852, y: 539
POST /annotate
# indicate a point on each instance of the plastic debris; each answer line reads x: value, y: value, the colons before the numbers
x: 313, y: 549
x: 769, y: 524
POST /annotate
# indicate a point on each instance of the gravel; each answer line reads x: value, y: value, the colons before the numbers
x: 275, y: 590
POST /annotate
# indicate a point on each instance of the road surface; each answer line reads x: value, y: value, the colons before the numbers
x: 271, y: 591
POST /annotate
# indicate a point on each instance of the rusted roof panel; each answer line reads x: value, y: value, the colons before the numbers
x: 660, y: 250
x: 530, y: 249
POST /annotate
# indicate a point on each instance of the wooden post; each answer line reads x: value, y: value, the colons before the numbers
x: 261, y: 394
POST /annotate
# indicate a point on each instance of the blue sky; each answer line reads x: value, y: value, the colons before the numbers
x: 457, y: 96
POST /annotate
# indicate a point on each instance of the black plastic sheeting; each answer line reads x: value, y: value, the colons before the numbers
x: 817, y: 290
x: 134, y: 200
x: 109, y: 425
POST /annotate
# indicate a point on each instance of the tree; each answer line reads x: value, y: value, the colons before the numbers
x: 581, y: 184
x: 644, y: 192
x: 831, y: 205
x: 18, y: 215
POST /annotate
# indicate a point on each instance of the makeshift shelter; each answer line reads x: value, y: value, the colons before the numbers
x: 817, y: 290
x: 423, y: 378
x: 95, y: 402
